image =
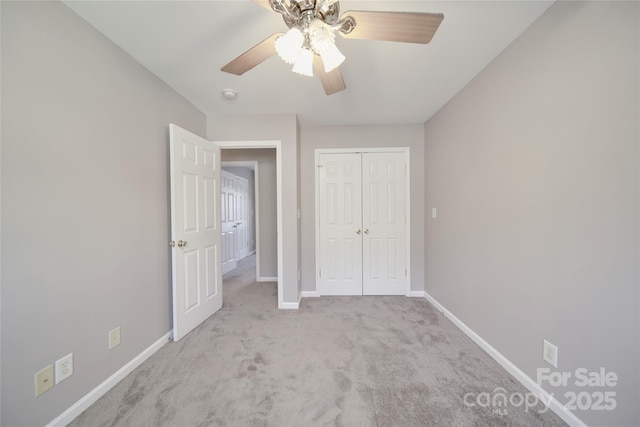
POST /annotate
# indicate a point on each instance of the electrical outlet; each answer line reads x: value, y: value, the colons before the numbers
x: 114, y: 338
x: 550, y: 353
x: 44, y: 380
x: 64, y: 367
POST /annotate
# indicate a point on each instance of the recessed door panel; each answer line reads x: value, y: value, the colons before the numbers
x: 191, y: 280
x: 212, y: 285
x: 210, y: 204
x: 190, y: 202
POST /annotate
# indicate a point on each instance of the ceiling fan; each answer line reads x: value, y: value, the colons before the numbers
x: 309, y: 44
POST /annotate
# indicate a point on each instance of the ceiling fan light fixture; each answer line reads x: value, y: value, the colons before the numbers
x: 289, y: 45
x: 304, y: 63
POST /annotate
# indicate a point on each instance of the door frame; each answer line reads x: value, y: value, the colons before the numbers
x: 407, y: 154
x: 277, y: 144
x: 256, y: 204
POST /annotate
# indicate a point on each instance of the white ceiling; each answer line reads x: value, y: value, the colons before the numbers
x: 186, y: 42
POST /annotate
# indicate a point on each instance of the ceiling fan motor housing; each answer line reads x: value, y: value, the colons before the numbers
x: 299, y: 13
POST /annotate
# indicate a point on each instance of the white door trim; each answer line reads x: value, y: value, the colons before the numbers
x: 239, y: 145
x: 256, y: 203
x: 407, y: 153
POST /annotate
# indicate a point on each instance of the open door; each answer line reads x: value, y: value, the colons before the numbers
x: 195, y: 230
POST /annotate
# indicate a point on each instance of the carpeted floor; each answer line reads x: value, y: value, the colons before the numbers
x: 343, y: 361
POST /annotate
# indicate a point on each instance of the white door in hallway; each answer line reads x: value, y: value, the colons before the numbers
x: 242, y: 220
x: 362, y: 223
x: 195, y: 230
x: 229, y: 221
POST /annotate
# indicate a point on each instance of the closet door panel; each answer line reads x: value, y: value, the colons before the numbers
x: 340, y: 217
x: 384, y: 223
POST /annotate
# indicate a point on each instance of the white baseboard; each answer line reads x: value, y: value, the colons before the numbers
x: 266, y: 279
x: 417, y: 294
x: 566, y: 415
x: 289, y: 305
x: 309, y: 294
x: 90, y: 398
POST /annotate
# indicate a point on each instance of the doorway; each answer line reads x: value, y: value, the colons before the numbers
x: 237, y: 205
x: 272, y: 256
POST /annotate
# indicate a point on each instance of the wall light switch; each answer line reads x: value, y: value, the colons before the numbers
x: 550, y: 353
x: 114, y: 337
x: 44, y: 380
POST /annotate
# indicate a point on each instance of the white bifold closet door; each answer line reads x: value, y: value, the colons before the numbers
x: 362, y: 223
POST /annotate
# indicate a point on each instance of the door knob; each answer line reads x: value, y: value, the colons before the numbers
x: 358, y: 231
x: 366, y: 231
x: 172, y: 244
x: 182, y: 243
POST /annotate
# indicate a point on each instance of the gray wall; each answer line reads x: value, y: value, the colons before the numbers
x: 85, y: 220
x: 315, y: 137
x: 534, y: 170
x: 266, y: 159
x: 284, y: 128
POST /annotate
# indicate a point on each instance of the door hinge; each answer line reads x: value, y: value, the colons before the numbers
x: 319, y: 166
x: 320, y: 273
x: 405, y: 272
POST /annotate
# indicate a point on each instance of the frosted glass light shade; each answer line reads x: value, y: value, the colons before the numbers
x: 304, y: 63
x: 332, y: 58
x: 322, y: 39
x: 289, y: 45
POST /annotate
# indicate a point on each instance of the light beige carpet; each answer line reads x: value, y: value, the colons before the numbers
x: 340, y: 361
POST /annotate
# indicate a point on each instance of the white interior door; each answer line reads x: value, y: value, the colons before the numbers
x: 195, y: 230
x: 229, y: 206
x: 242, y: 220
x: 384, y: 224
x: 362, y: 223
x: 340, y: 214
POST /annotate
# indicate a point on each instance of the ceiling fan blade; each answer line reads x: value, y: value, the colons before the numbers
x: 254, y: 56
x: 332, y: 81
x: 409, y: 27
x: 264, y: 3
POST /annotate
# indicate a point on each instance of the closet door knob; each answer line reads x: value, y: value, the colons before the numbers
x: 182, y: 243
x: 358, y: 231
x: 366, y: 231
